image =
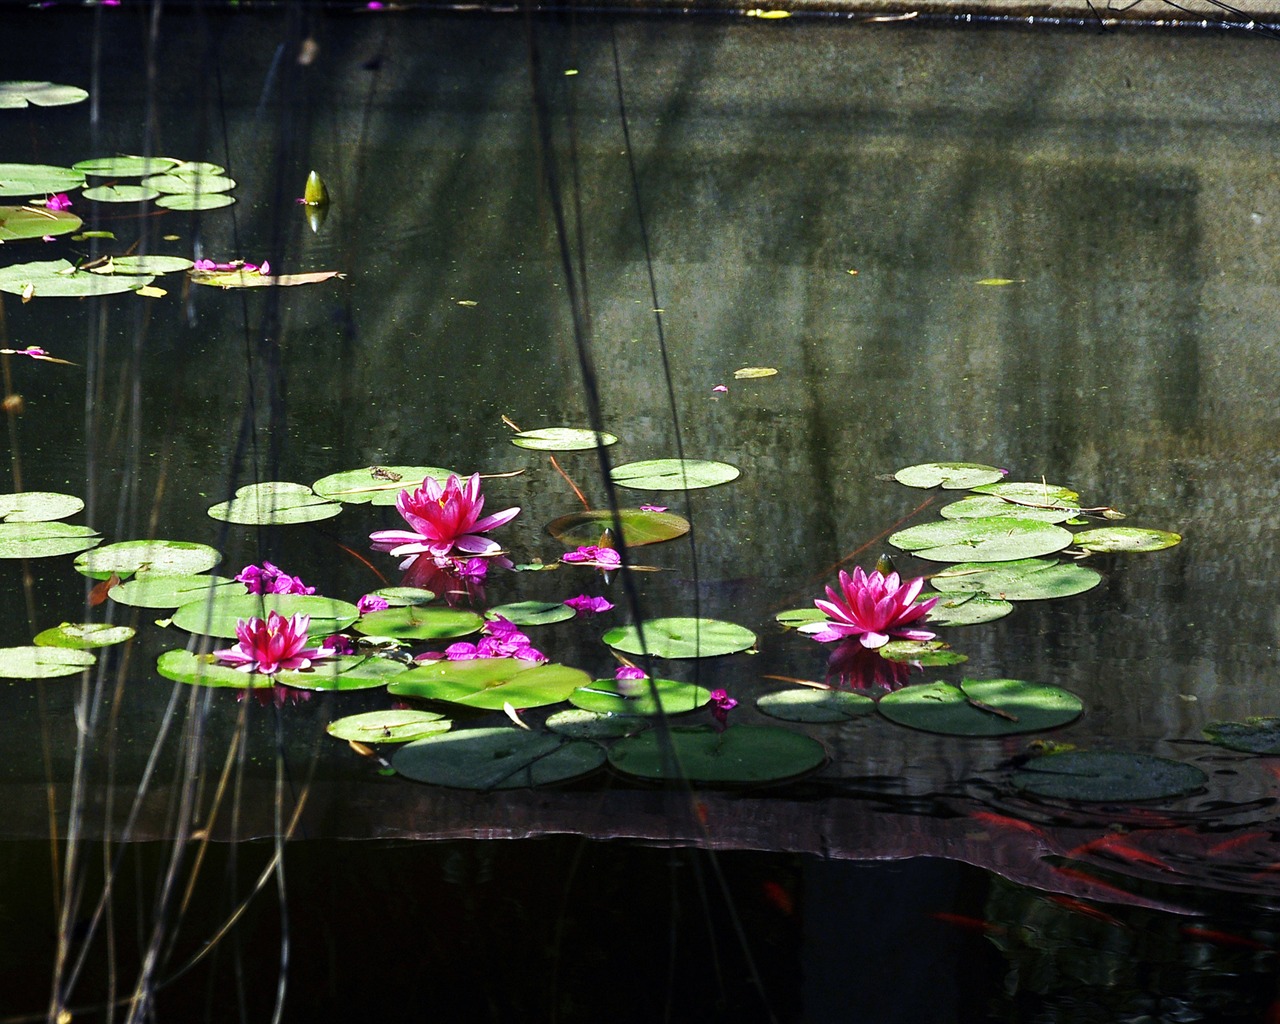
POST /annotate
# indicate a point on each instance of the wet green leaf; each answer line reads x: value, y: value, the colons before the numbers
x: 120, y: 193
x: 986, y: 505
x: 965, y: 609
x: 796, y: 617
x: 532, y: 613
x: 1026, y: 579
x: 562, y: 439
x: 995, y: 539
x: 414, y: 622
x: 16, y: 95
x: 496, y: 758
x: 38, y: 506
x: 150, y: 590
x: 37, y: 179
x: 1108, y: 776
x: 1125, y: 538
x: 186, y: 183
x: 205, y: 670
x: 1255, y: 735
x: 275, y: 503
x: 673, y: 474
x: 399, y: 597
x: 377, y: 485
x: 42, y: 662
x: 125, y: 166
x: 637, y: 697
x: 922, y: 652
x: 220, y: 616
x: 739, y: 754
x: 949, y: 475
x: 682, y: 638
x: 83, y: 635
x: 144, y: 265
x: 389, y: 726
x: 490, y: 683
x: 345, y: 672
x: 201, y: 201
x: 59, y: 279
x: 591, y: 725
x: 19, y: 222
x: 161, y: 557
x: 981, y: 707
x: 44, y: 540
x: 1030, y: 492
x: 814, y: 705
x: 581, y: 529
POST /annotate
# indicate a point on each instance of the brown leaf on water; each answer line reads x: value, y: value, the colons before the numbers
x: 99, y: 592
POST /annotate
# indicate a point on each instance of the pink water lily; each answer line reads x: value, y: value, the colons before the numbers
x: 444, y: 518
x: 57, y: 202
x: 270, y: 579
x: 271, y: 645
x: 873, y: 608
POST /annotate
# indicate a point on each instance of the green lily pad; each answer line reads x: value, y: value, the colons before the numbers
x: 345, y: 672
x: 120, y: 193
x: 275, y: 503
x: 562, y: 439
x: 995, y: 539
x: 150, y: 590
x: 1255, y: 735
x: 922, y: 652
x: 400, y: 597
x: 1026, y: 579
x: 965, y: 609
x: 144, y: 265
x: 44, y: 540
x: 981, y: 707
x: 1031, y: 492
x: 389, y: 726
x: 673, y: 474
x: 37, y: 179
x: 197, y: 167
x: 185, y: 183
x: 950, y: 475
x: 490, y: 683
x: 794, y: 618
x: 682, y: 638
x: 414, y: 622
x: 38, y: 506
x: 813, y: 705
x: 42, y: 662
x: 83, y: 635
x: 60, y: 280
x: 220, y: 616
x: 580, y: 529
x: 376, y: 485
x: 496, y: 758
x: 1125, y: 538
x: 532, y: 613
x: 984, y: 506
x: 16, y: 95
x: 19, y: 222
x: 591, y: 725
x: 186, y: 203
x: 125, y: 166
x: 1107, y: 776
x: 636, y: 697
x: 741, y: 753
x: 205, y: 670
x: 161, y: 557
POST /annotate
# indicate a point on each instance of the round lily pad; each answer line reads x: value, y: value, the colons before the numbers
x: 399, y: 597
x: 673, y: 474
x: 205, y: 670
x: 37, y: 179
x: 60, y: 280
x: 591, y: 725
x: 1030, y: 492
x: 637, y: 697
x: 414, y: 622
x: 1026, y: 579
x: 981, y: 707
x: 345, y: 672
x: 154, y: 264
x: 16, y: 95
x: 125, y: 166
x: 161, y: 557
x: 581, y: 529
x: 532, y: 613
x: 18, y: 222
x: 562, y: 439
x: 794, y: 618
x: 1125, y: 538
x: 813, y: 705
x: 682, y: 638
x: 38, y: 506
x: 196, y: 167
x: 966, y: 609
x: 376, y: 485
x: 220, y: 616
x: 922, y: 652
x: 390, y: 726
x: 83, y: 635
x: 150, y: 590
x: 195, y: 201
x: 994, y: 539
x: 44, y: 540
x: 1255, y: 735
x: 1107, y: 776
x: 120, y: 193
x: 42, y: 662
x: 949, y: 475
x: 275, y: 503
x: 490, y: 683
x: 984, y: 506
x: 741, y: 753
x: 496, y: 758
x: 178, y: 182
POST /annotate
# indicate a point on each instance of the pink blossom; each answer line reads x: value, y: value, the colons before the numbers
x: 720, y: 389
x: 721, y: 705
x: 502, y: 639
x: 653, y: 508
x: 871, y: 607
x: 271, y: 580
x: 473, y: 569
x: 592, y: 555
x: 444, y: 518
x: 58, y: 201
x: 586, y: 605
x: 628, y: 672
x: 33, y: 351
x: 339, y: 643
x: 371, y: 603
x: 272, y: 645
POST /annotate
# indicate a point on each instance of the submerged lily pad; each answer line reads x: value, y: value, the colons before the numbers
x: 414, y: 622
x: 1125, y: 538
x: 1255, y: 735
x: 345, y: 672
x: 813, y: 705
x: 490, y: 683
x: 275, y: 503
x: 1107, y: 776
x: 42, y: 662
x: 562, y: 439
x: 1027, y: 579
x: 682, y: 638
x: 949, y: 475
x: 205, y: 670
x: 150, y: 590
x: 16, y: 95
x: 741, y: 753
x: 496, y: 758
x: 161, y: 557
x: 60, y: 280
x: 983, y: 506
x: 120, y: 193
x: 673, y: 474
x: 377, y: 485
x: 219, y: 616
x: 37, y: 179
x: 44, y: 540
x: 581, y: 529
x: 18, y: 222
x: 981, y: 707
x: 389, y: 726
x: 125, y: 166
x: 38, y: 506
x: 965, y: 609
x: 994, y: 539
x: 637, y: 697
x: 83, y: 635
x: 532, y: 613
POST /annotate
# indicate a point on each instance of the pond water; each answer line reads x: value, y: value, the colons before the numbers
x: 833, y: 200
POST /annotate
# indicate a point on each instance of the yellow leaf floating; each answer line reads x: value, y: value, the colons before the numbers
x: 767, y: 15
x: 751, y: 372
x: 152, y: 292
x: 1000, y: 282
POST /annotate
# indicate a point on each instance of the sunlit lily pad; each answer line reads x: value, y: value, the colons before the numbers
x: 532, y: 613
x: 83, y: 635
x: 496, y: 758
x: 490, y: 683
x: 125, y: 166
x: 178, y: 182
x: 741, y: 754
x: 44, y: 540
x: 161, y: 557
x: 37, y: 179
x: 399, y: 597
x: 1030, y: 492
x: 984, y: 506
x: 188, y: 168
x: 580, y: 529
x: 205, y: 670
x: 345, y: 672
x: 42, y: 662
x: 981, y: 707
x: 965, y: 609
x: 591, y: 725
x: 995, y: 539
x: 562, y: 439
x: 143, y: 265
x: 59, y: 279
x: 1026, y: 579
x: 1255, y: 735
x: 150, y: 590
x: 38, y: 506
x: 275, y: 503
x: 949, y: 475
x: 376, y: 485
x: 219, y: 616
x: 682, y: 638
x: 16, y: 95
x: 187, y: 203
x: 414, y: 622
x: 1125, y: 538
x: 673, y: 474
x: 18, y: 222
x: 1108, y: 776
x: 922, y: 652
x: 389, y: 726
x: 636, y: 697
x: 120, y: 193
x: 794, y: 618
x: 814, y: 705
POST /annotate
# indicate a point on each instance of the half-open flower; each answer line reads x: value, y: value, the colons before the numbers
x: 444, y: 519
x: 872, y: 608
x: 271, y: 645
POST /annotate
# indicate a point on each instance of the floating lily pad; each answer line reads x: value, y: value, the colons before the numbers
x: 205, y: 670
x: 197, y: 201
x: 496, y: 758
x: 1125, y: 538
x: 984, y: 506
x: 581, y: 529
x: 150, y: 590
x: 185, y: 183
x: 995, y: 539
x: 636, y: 697
x: 1026, y: 579
x: 44, y: 540
x: 981, y: 707
x: 682, y: 638
x: 219, y: 616
x: 16, y: 95
x: 794, y: 618
x: 120, y: 193
x: 38, y: 506
x: 949, y: 475
x: 590, y: 725
x: 345, y: 672
x: 42, y: 662
x: 400, y: 597
x: 125, y: 166
x: 965, y: 609
x: 1107, y: 776
x: 37, y: 179
x: 532, y: 613
x: 1031, y: 492
x: 414, y: 622
x: 673, y: 474
x: 188, y: 168
x: 144, y: 265
x: 1255, y: 735
x: 18, y: 222
x: 59, y: 279
x: 275, y: 503
x: 83, y: 635
x: 741, y: 753
x: 390, y: 726
x: 161, y: 557
x: 490, y: 683
x: 562, y: 439
x: 813, y: 705
x: 377, y: 485
x: 922, y: 652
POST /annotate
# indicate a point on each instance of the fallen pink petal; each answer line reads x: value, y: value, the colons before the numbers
x: 269, y: 579
x: 592, y: 555
x: 371, y: 603
x: 653, y: 508
x: 721, y: 389
x: 584, y: 604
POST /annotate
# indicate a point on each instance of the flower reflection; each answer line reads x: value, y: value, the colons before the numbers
x: 854, y: 667
x: 453, y: 579
x: 274, y: 696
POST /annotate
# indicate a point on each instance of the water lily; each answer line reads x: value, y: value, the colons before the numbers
x: 444, y: 518
x: 339, y: 643
x: 270, y: 579
x: 873, y: 608
x: 594, y: 556
x: 58, y: 201
x: 584, y: 604
x: 271, y: 645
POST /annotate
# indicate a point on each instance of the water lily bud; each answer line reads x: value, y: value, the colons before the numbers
x: 884, y: 564
x: 315, y: 194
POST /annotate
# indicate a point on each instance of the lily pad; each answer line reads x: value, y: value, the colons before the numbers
x: 673, y: 474
x: 400, y: 597
x: 205, y: 670
x: 44, y: 540
x: 144, y: 265
x: 1255, y: 735
x: 636, y: 697
x: 532, y: 613
x: 562, y: 439
x: 1125, y: 538
x: 414, y: 622
x: 813, y: 705
x: 275, y: 503
x: 185, y: 203
x: 376, y: 485
x: 794, y: 618
x: 42, y: 662
x: 490, y: 683
x: 18, y: 222
x: 1026, y: 579
x: 1107, y: 776
x: 345, y: 672
x: 59, y: 279
x: 981, y: 707
x: 581, y: 529
x: 160, y: 557
x: 741, y: 753
x: 496, y: 758
x: 38, y: 506
x: 83, y: 635
x: 390, y: 726
x: 178, y: 182
x: 150, y: 590
x: 984, y: 506
x: 949, y: 475
x: 219, y: 616
x: 966, y: 609
x: 125, y: 166
x: 37, y: 179
x: 994, y: 539
x: 922, y: 652
x: 16, y: 95
x: 1029, y: 491
x: 120, y: 193
x: 682, y: 638
x: 591, y: 725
